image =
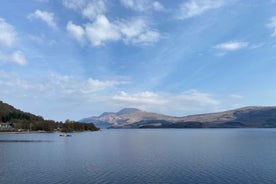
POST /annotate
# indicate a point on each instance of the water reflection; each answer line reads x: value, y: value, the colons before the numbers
x: 24, y: 141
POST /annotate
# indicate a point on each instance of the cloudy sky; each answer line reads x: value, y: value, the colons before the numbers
x: 77, y: 58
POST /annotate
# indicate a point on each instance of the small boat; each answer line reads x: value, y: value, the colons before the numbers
x: 65, y: 135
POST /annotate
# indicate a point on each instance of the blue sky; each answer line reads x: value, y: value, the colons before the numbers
x: 77, y: 58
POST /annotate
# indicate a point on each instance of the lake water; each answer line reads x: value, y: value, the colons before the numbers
x: 205, y: 156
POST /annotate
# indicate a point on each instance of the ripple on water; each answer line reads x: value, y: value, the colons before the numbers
x: 142, y: 156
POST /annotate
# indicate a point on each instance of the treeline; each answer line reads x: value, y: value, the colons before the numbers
x: 40, y: 124
x: 50, y: 126
x: 70, y: 126
x: 27, y: 121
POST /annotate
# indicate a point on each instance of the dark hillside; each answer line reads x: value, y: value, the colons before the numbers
x: 20, y: 120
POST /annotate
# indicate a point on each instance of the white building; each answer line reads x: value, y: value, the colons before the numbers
x: 7, y: 126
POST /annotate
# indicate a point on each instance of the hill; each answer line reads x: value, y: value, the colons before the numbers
x: 238, y: 118
x: 20, y: 120
x: 23, y: 120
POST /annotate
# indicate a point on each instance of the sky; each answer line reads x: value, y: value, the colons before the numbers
x: 71, y: 59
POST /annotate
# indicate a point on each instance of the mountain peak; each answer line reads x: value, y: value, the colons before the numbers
x: 106, y: 114
x: 127, y: 111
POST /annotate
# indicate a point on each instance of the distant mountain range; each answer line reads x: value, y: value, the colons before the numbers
x: 254, y: 116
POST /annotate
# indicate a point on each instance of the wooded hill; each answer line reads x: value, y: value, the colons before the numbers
x: 28, y: 121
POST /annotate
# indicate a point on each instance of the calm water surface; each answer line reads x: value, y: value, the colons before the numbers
x: 206, y: 156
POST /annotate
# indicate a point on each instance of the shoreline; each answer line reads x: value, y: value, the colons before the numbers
x: 24, y: 132
x: 40, y: 131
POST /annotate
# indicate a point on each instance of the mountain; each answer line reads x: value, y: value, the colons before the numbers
x: 124, y: 118
x: 254, y: 116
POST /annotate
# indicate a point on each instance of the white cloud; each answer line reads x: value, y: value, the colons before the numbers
x: 197, y: 98
x: 93, y: 9
x: 8, y: 37
x: 74, y: 4
x: 45, y: 16
x: 17, y: 84
x: 16, y: 87
x: 76, y: 31
x: 88, y: 8
x: 272, y: 22
x: 17, y: 57
x: 7, y: 34
x: 53, y: 92
x: 272, y: 25
x: 138, y: 99
x: 93, y: 85
x: 102, y: 30
x: 194, y: 8
x: 147, y: 37
x: 157, y: 6
x: 142, y: 5
x: 232, y: 46
x: 60, y: 85
x: 137, y: 31
x: 80, y: 87
x: 236, y: 96
x: 134, y: 31
x: 191, y: 101
x: 93, y: 95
